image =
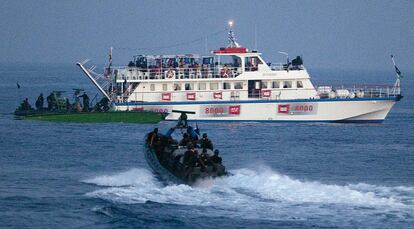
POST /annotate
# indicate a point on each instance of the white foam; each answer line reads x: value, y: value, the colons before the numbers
x: 255, y: 193
x: 132, y: 177
x: 273, y: 186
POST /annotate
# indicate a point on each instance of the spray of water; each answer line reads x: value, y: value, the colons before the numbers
x: 260, y: 193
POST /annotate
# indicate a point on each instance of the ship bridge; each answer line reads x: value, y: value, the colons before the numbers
x: 241, y: 58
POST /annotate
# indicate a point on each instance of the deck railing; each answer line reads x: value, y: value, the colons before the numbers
x: 135, y: 73
x: 285, y: 67
x: 200, y: 72
x: 358, y: 91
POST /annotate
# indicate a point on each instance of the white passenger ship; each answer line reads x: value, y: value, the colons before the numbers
x: 236, y: 84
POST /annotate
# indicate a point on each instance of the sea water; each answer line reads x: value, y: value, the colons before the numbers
x: 284, y: 174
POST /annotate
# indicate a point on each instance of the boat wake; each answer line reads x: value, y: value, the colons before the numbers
x: 262, y: 194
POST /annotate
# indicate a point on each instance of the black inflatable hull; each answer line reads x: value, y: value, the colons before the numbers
x: 153, y: 162
x: 175, y: 172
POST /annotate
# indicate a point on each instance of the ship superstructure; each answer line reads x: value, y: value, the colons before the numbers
x: 237, y: 84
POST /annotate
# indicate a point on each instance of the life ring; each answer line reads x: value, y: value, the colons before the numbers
x: 170, y: 74
x: 224, y: 72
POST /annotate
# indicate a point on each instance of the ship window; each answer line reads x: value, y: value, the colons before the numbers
x: 226, y: 85
x: 238, y: 85
x: 275, y: 84
x: 165, y: 87
x: 213, y: 86
x: 251, y: 63
x: 189, y: 86
x: 287, y: 84
x: 299, y: 84
x: 177, y: 87
x: 152, y: 87
x: 202, y: 86
x: 264, y: 84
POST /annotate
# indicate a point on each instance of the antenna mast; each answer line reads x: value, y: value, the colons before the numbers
x: 232, y: 38
x: 255, y: 36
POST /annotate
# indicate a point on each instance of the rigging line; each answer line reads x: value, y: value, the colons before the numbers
x: 156, y: 48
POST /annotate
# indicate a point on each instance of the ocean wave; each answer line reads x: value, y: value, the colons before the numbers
x: 258, y: 193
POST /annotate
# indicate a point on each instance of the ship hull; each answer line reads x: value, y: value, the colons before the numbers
x: 309, y: 110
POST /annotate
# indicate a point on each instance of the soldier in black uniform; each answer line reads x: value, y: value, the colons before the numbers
x: 39, y: 102
x: 152, y: 137
x: 203, y: 160
x: 216, y: 158
x: 68, y: 105
x: 51, y: 101
x: 26, y: 105
x: 85, y: 102
x: 186, y: 140
x: 190, y: 156
x: 182, y: 121
x: 102, y: 105
x: 205, y: 142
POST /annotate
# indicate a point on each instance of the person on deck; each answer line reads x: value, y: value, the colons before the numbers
x: 39, y: 102
x: 68, y: 105
x: 216, y: 158
x: 51, y: 102
x: 186, y: 140
x: 102, y: 105
x: 182, y: 121
x: 26, y: 105
x: 190, y: 161
x: 203, y: 159
x: 205, y: 142
x: 152, y: 137
x: 190, y: 157
x: 192, y: 135
x: 85, y: 102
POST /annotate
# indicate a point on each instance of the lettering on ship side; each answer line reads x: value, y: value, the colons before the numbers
x: 220, y: 110
x: 297, y: 109
x: 160, y: 109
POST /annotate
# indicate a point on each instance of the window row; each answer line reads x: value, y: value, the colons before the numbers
x: 197, y: 86
x: 281, y: 84
x: 202, y: 86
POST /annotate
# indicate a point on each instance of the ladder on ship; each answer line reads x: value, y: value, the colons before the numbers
x: 129, y: 90
x: 100, y: 81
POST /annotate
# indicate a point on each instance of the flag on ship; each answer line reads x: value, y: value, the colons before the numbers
x: 398, y: 71
x: 396, y: 68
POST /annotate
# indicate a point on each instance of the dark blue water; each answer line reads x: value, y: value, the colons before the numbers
x: 285, y: 175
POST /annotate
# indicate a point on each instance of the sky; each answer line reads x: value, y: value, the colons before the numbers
x: 327, y: 34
